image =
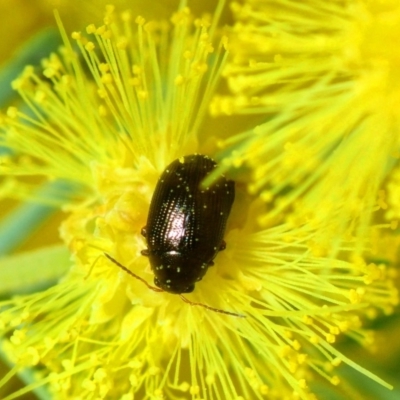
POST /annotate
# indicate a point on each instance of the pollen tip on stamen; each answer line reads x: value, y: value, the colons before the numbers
x: 91, y: 29
x: 126, y: 16
x: 76, y: 35
x: 90, y: 46
x: 140, y: 20
x: 335, y: 380
x: 12, y: 112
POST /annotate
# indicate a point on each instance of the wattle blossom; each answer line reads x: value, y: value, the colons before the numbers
x: 104, y: 116
x: 325, y: 85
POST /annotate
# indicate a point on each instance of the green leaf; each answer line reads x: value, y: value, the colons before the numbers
x: 19, y: 224
x: 23, y: 221
x: 33, y: 270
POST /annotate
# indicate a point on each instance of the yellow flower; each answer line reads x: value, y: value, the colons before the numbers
x: 324, y: 77
x: 106, y: 115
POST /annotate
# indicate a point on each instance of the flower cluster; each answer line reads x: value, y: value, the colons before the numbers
x: 303, y: 261
x: 328, y: 88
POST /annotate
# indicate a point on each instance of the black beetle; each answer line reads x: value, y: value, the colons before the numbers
x: 186, y: 223
x: 185, y: 227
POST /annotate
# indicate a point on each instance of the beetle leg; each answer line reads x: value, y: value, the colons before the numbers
x: 222, y: 246
x: 144, y: 252
x: 211, y: 263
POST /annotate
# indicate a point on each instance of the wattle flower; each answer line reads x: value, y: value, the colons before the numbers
x: 102, y: 119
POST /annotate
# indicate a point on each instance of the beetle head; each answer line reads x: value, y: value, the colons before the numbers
x: 183, y: 298
x: 175, y: 273
x: 174, y: 288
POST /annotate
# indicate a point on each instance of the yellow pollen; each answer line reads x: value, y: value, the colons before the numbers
x: 335, y: 380
x: 12, y: 112
x: 194, y: 390
x: 140, y: 20
x: 91, y: 29
x: 90, y: 46
x: 76, y: 35
x: 184, y: 387
x: 330, y: 338
x: 101, y: 30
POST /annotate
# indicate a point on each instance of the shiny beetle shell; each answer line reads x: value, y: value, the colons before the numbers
x: 186, y: 223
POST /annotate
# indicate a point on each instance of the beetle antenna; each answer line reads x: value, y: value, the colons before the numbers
x: 128, y: 271
x: 218, y: 310
x: 183, y: 298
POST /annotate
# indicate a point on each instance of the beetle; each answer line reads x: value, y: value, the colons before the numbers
x: 186, y: 223
x: 185, y: 226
